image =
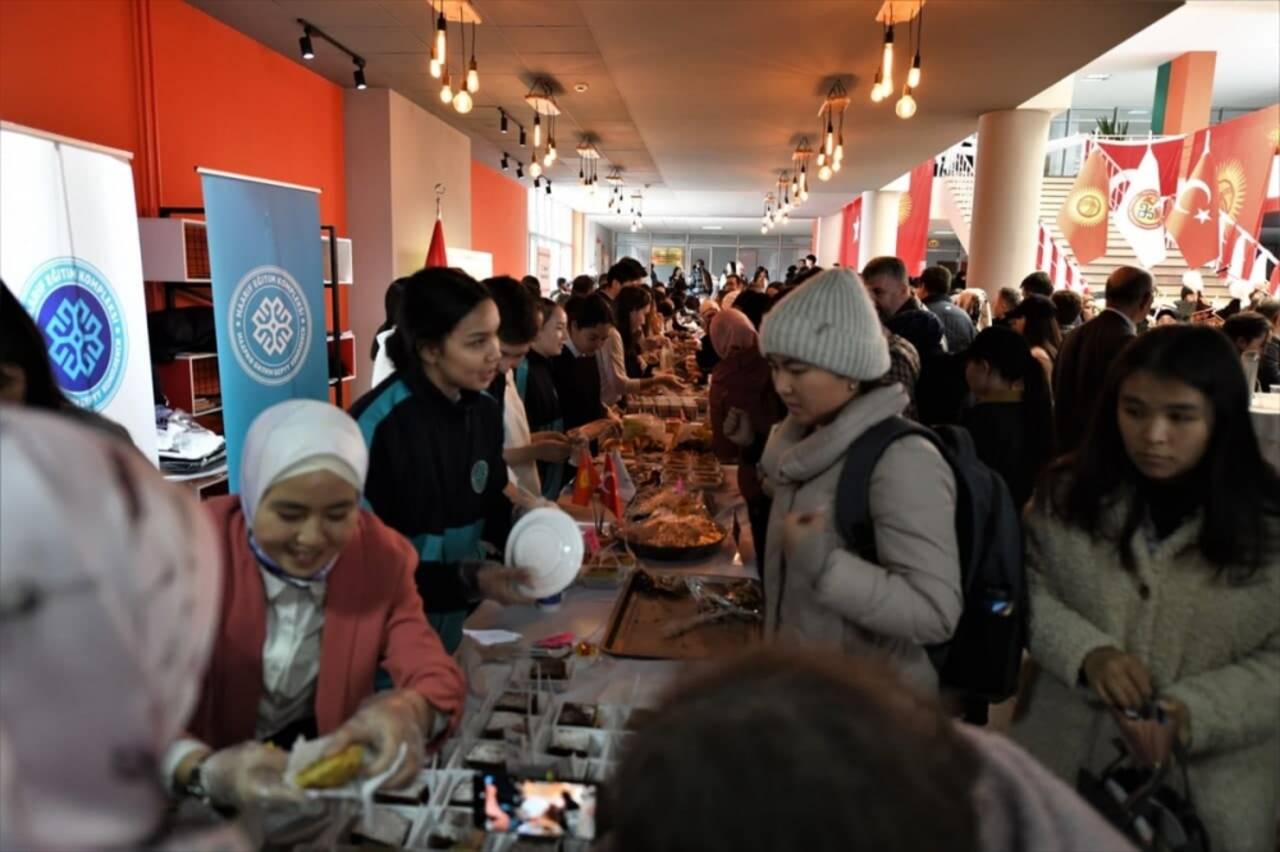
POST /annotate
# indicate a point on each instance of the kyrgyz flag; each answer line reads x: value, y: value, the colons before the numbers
x: 913, y: 218
x: 1140, y: 214
x: 587, y: 480
x: 435, y: 254
x: 1083, y: 217
x: 1193, y: 221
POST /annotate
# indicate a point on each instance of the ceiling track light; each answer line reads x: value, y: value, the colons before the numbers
x: 306, y: 44
x: 524, y: 142
x: 548, y: 186
x: 505, y: 164
x: 519, y: 170
x: 502, y: 124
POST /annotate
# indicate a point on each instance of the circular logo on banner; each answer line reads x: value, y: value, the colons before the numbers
x: 1087, y: 206
x: 83, y: 325
x: 270, y: 325
x: 1145, y: 210
x: 479, y: 476
x: 904, y: 208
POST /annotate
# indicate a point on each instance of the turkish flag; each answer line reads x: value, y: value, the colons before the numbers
x: 1193, y: 221
x: 1243, y: 150
x: 913, y: 218
x: 609, y: 488
x: 851, y: 233
x: 1083, y: 217
x: 1168, y: 154
x: 435, y: 254
x: 587, y: 480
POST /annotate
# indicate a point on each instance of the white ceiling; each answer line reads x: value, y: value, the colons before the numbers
x: 1245, y: 34
x: 704, y: 101
x: 709, y: 226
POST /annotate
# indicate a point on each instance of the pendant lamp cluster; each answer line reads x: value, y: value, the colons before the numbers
x: 543, y: 103
x: 306, y: 47
x: 588, y: 166
x: 830, y: 157
x: 637, y: 211
x: 883, y: 88
x: 459, y: 91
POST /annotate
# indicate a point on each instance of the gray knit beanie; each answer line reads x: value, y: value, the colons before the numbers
x: 829, y: 322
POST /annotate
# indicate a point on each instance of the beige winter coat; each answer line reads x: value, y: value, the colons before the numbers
x: 821, y: 594
x: 1214, y: 646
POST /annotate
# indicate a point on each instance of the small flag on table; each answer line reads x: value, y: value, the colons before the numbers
x: 609, y: 488
x: 587, y: 480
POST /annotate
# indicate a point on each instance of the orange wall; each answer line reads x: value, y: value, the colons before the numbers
x: 178, y: 88
x: 500, y: 220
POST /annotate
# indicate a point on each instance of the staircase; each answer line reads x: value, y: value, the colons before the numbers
x: 1053, y: 192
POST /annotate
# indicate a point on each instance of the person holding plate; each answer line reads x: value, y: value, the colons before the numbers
x: 436, y: 469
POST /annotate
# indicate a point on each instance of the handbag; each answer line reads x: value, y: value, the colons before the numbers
x: 1142, y: 804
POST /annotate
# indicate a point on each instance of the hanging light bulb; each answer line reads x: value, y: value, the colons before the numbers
x: 804, y: 193
x: 549, y: 157
x: 537, y: 131
x: 462, y: 102
x: 785, y: 217
x: 824, y: 173
x: 441, y: 36
x: 829, y: 145
x: 887, y: 63
x: 535, y: 168
x: 913, y: 76
x: 839, y: 154
x: 835, y: 165
x: 473, y: 73
x: 877, y: 90
x: 551, y: 149
x: 446, y: 90
x: 906, y: 106
x: 822, y: 158
x: 435, y: 67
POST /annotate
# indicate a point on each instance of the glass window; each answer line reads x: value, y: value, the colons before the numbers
x: 550, y: 239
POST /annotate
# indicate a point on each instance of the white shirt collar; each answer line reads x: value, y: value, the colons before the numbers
x: 275, y: 587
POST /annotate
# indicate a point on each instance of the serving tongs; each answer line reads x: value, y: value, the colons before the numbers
x: 715, y: 606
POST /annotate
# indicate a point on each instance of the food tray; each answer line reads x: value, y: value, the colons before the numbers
x: 636, y: 625
x: 676, y: 554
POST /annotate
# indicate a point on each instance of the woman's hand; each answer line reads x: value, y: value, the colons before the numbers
x: 497, y: 582
x: 1151, y: 739
x: 554, y: 449
x: 667, y: 380
x: 737, y: 428
x: 1119, y: 678
x: 383, y: 725
x: 250, y: 773
x: 805, y: 543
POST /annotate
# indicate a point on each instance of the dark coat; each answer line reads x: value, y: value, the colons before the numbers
x: 956, y: 324
x: 1080, y: 372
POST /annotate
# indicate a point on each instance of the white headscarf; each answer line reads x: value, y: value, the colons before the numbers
x: 108, y: 601
x: 296, y: 437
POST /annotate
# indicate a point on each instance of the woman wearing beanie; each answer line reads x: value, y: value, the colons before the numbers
x: 825, y: 346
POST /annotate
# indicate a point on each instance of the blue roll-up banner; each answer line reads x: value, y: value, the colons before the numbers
x: 268, y: 299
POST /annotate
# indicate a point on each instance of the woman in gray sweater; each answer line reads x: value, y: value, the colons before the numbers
x: 1153, y: 560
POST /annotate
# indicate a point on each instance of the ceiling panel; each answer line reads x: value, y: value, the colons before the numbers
x: 707, y: 98
x: 337, y: 13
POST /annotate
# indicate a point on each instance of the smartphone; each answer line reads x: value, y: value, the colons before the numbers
x: 534, y: 807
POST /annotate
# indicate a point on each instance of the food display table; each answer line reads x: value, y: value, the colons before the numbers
x: 571, y: 715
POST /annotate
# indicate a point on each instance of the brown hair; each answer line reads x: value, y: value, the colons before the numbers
x: 777, y: 750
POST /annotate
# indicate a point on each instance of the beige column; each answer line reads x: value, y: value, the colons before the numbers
x: 879, y: 224
x: 1006, y: 191
x: 1006, y: 197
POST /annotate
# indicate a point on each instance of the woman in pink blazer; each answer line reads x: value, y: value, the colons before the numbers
x: 317, y: 596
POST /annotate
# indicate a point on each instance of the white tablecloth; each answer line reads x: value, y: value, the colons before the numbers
x: 1266, y: 423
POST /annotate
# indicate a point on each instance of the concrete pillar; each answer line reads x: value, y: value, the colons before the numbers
x: 1006, y: 197
x: 826, y: 239
x: 879, y: 224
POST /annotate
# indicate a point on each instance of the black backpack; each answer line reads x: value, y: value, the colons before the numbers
x: 982, y: 658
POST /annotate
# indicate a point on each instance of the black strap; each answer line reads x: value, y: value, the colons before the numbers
x: 853, y: 493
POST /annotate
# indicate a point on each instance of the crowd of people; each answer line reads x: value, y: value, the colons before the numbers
x: 328, y: 596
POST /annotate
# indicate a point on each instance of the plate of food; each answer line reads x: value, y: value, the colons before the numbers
x: 674, y: 536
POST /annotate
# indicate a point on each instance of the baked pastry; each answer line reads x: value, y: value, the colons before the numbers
x: 333, y: 771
